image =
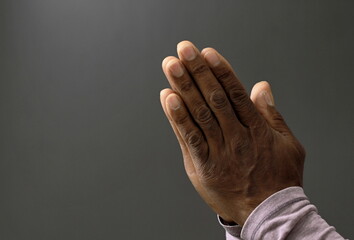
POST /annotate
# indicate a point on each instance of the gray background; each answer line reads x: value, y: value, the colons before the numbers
x: 85, y: 150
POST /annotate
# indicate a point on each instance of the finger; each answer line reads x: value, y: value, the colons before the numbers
x: 163, y: 95
x: 190, y: 133
x: 188, y: 163
x: 243, y: 106
x: 263, y: 99
x: 209, y: 86
x: 181, y: 82
x: 187, y: 160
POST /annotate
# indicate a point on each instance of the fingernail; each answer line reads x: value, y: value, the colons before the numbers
x: 212, y: 58
x: 175, y: 68
x: 188, y: 53
x: 173, y: 102
x: 267, y: 98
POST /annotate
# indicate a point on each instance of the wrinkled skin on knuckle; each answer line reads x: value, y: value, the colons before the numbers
x: 225, y: 75
x: 186, y: 85
x: 203, y: 115
x: 239, y: 99
x: 181, y: 118
x: 195, y: 140
x: 218, y: 99
x: 199, y: 69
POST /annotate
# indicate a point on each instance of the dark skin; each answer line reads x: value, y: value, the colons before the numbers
x: 237, y: 149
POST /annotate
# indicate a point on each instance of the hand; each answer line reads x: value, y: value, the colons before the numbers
x: 237, y: 150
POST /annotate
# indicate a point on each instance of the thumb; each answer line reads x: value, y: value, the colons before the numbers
x: 262, y: 97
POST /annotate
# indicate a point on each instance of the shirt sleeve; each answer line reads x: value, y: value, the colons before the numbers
x: 287, y: 214
x: 232, y: 232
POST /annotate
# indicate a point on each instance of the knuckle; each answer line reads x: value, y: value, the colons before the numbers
x: 236, y: 94
x: 186, y: 86
x: 239, y: 98
x: 225, y: 75
x: 195, y: 140
x: 181, y: 118
x: 218, y: 99
x: 199, y: 69
x: 203, y: 115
